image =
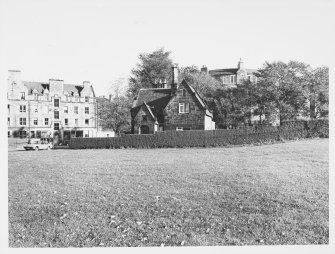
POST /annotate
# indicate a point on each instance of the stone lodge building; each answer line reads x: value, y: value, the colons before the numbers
x: 50, y: 109
x: 177, y: 107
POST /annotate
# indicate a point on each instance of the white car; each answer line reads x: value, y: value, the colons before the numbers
x: 38, y: 144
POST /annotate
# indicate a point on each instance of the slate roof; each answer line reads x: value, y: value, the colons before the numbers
x: 40, y: 87
x: 158, y: 98
x: 229, y: 71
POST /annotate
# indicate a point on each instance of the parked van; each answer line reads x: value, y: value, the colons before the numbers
x: 39, y: 144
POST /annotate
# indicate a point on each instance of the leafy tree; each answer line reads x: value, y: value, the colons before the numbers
x: 282, y: 86
x: 114, y: 113
x: 317, y: 92
x: 151, y: 67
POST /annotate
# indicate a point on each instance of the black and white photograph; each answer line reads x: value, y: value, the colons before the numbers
x: 167, y: 126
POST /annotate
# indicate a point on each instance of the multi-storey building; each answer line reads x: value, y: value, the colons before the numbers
x: 232, y: 76
x: 50, y: 109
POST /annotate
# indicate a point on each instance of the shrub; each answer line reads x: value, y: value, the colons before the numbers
x: 211, y: 138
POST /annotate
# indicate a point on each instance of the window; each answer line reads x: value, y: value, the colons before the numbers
x: 56, y: 126
x: 76, y: 98
x: 22, y: 108
x: 86, y: 121
x: 76, y: 122
x: 86, y: 99
x: 66, y: 109
x: 22, y: 121
x: 36, y: 109
x: 184, y: 107
x: 56, y: 103
x: 47, y: 97
x: 249, y: 78
x: 56, y: 114
x: 35, y: 96
x: 8, y: 106
x: 32, y: 134
x: 182, y: 92
x: 23, y: 96
x: 66, y: 121
x: 8, y: 121
x: 232, y: 79
x: 46, y: 121
x: 179, y: 128
x: 35, y: 121
x: 87, y: 110
x: 76, y: 110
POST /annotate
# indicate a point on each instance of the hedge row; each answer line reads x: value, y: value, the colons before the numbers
x: 210, y: 138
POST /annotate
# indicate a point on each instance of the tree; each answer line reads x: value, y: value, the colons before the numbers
x: 152, y: 67
x: 282, y: 86
x: 114, y: 113
x: 317, y: 92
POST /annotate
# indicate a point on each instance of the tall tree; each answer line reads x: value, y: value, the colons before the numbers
x: 283, y: 87
x: 151, y: 67
x: 114, y: 113
x: 317, y: 93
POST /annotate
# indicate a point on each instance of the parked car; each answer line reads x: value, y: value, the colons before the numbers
x: 39, y: 144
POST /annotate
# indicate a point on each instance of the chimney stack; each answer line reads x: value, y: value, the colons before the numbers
x: 110, y: 97
x: 174, y: 82
x: 203, y: 69
x: 174, y: 75
x: 240, y: 64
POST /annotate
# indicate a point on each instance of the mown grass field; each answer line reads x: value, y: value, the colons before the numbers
x: 253, y: 195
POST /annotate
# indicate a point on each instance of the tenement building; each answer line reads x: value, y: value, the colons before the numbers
x: 50, y: 109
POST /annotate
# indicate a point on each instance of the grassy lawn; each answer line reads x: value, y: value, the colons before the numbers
x: 270, y: 194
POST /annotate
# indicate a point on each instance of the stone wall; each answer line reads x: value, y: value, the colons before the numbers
x: 193, y: 120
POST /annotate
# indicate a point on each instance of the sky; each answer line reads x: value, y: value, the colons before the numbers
x: 100, y: 40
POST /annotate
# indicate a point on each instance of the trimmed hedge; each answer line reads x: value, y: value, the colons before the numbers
x: 210, y: 138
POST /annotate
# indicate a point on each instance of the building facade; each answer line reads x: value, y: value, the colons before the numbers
x: 230, y: 77
x: 50, y: 109
x: 178, y: 107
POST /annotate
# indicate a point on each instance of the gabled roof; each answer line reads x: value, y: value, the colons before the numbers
x: 202, y: 103
x: 157, y: 98
x: 149, y: 109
